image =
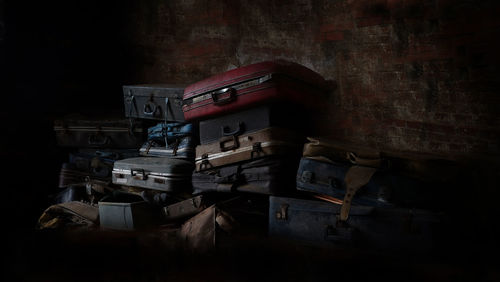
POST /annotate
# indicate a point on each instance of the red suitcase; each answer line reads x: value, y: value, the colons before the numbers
x: 265, y: 82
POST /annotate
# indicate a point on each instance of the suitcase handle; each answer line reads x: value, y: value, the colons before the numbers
x: 94, y: 140
x: 241, y: 128
x: 229, y: 99
x: 148, y: 110
x: 136, y: 171
x: 223, y: 141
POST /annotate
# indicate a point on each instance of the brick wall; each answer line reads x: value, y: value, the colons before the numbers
x: 411, y: 75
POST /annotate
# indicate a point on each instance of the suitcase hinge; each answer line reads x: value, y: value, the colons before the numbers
x: 283, y: 212
x: 256, y: 149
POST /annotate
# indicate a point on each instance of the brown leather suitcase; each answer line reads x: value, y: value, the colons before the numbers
x: 233, y: 149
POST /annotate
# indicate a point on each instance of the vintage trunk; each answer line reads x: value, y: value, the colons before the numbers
x: 116, y: 134
x: 159, y: 102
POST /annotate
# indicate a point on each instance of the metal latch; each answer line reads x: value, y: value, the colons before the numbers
x: 256, y: 149
x: 307, y: 176
x: 283, y: 212
x: 204, y: 162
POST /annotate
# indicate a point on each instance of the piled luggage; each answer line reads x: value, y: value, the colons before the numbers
x: 235, y: 151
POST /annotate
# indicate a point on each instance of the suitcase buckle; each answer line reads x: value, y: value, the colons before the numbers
x: 256, y: 149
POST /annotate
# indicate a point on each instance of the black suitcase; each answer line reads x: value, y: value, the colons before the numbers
x: 370, y: 228
x: 269, y: 175
x: 159, y: 102
x: 99, y: 163
x: 252, y: 120
x: 70, y: 175
x: 106, y: 133
x: 384, y: 188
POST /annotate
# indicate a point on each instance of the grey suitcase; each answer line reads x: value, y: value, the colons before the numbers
x: 164, y: 174
x: 126, y: 212
x: 154, y: 101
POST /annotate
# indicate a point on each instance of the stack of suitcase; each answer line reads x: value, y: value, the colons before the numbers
x: 237, y: 147
x: 93, y: 145
x: 253, y: 122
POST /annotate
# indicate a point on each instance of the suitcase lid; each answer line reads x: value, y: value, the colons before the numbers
x: 154, y: 89
x: 254, y: 71
x: 155, y: 166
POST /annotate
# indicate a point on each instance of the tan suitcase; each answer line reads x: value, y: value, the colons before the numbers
x: 232, y: 149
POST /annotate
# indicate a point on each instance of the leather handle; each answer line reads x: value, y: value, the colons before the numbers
x: 136, y: 171
x: 238, y: 131
x: 98, y: 140
x: 223, y: 141
x: 149, y: 109
x: 230, y: 98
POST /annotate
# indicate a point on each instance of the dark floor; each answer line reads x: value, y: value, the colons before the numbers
x: 156, y: 256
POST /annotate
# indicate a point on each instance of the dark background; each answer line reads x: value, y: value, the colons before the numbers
x: 417, y: 76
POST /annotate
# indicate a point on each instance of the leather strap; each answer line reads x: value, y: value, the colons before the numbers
x: 355, y: 178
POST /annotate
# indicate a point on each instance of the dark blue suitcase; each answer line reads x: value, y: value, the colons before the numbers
x: 370, y: 228
x: 99, y: 163
x: 385, y: 189
x: 171, y: 139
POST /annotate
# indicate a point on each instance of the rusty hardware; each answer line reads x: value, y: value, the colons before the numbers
x: 256, y: 149
x: 283, y: 212
x: 204, y: 162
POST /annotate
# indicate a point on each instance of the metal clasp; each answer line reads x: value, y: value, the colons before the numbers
x: 283, y: 212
